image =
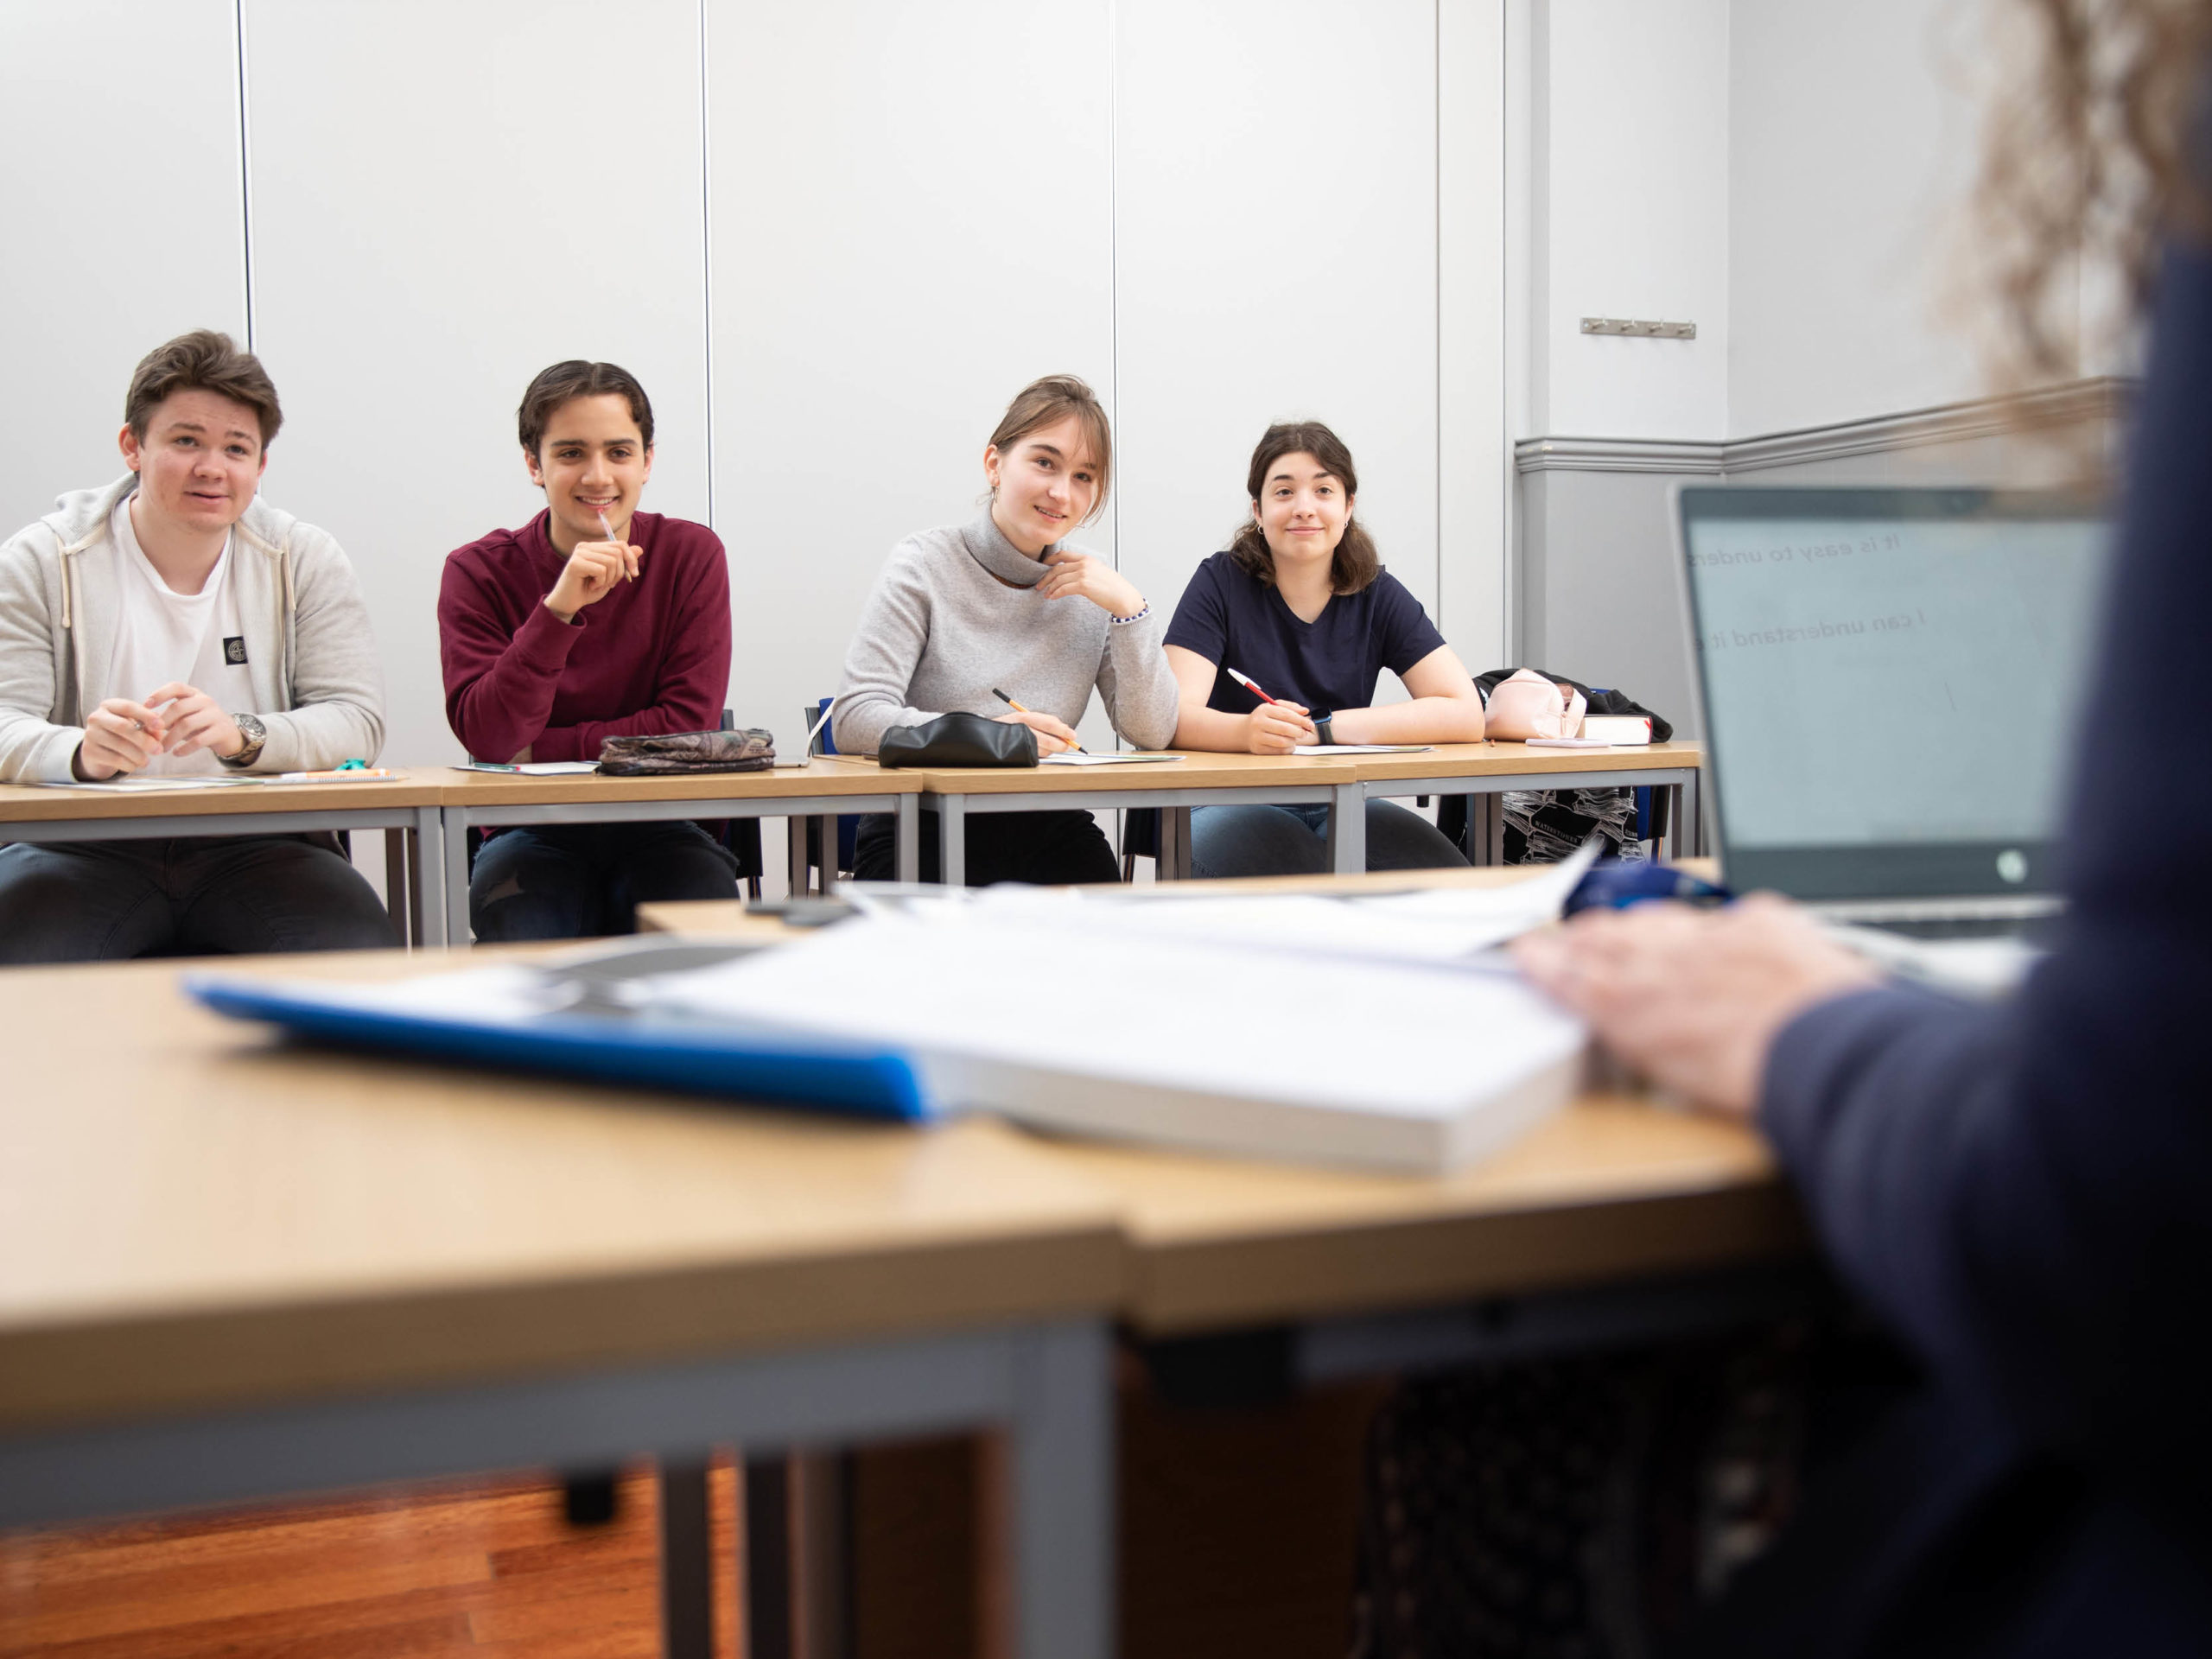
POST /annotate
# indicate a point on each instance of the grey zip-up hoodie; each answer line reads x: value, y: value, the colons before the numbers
x: 309, y: 654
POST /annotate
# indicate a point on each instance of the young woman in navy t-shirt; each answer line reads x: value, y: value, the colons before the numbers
x: 1300, y: 605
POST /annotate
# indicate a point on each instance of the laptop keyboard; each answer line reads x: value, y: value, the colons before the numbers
x: 2031, y: 928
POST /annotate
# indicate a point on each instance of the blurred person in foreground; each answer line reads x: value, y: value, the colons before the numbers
x: 2023, y: 1191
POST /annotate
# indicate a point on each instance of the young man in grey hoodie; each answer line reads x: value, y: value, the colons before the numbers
x: 171, y: 623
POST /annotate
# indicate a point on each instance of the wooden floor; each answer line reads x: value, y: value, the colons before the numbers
x: 482, y: 1569
x: 1237, y: 1529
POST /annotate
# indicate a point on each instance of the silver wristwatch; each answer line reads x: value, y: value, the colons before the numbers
x: 255, y: 735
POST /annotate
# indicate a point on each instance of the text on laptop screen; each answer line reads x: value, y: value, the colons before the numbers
x: 1904, y: 670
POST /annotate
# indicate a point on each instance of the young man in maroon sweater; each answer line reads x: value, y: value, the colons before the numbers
x: 593, y: 620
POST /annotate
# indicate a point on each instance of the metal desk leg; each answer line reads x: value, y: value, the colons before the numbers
x: 795, y: 835
x: 454, y: 859
x: 767, y: 1557
x: 907, y: 821
x: 1680, y: 836
x: 432, y: 881
x: 687, y: 1565
x: 1348, y: 829
x: 1063, y: 1458
x: 1173, y: 860
x: 952, y: 839
x: 401, y: 900
x: 825, y: 837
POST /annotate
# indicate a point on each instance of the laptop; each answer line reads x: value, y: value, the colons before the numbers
x: 1890, y: 679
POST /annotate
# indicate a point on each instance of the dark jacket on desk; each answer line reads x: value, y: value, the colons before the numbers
x: 2026, y: 1192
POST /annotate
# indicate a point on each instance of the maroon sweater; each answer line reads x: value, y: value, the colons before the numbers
x: 651, y: 657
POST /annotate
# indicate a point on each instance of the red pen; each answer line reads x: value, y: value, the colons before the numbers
x: 1249, y: 685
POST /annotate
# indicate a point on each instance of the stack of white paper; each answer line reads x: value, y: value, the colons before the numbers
x: 1193, y: 1042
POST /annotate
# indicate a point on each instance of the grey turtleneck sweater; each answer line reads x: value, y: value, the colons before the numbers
x: 942, y: 628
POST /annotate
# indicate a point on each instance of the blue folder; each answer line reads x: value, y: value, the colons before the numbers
x: 695, y: 1057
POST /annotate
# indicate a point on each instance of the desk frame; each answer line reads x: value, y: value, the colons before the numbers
x: 461, y: 818
x: 1347, y: 827
x: 1050, y: 1383
x: 1685, y: 821
x: 1347, y: 832
x: 413, y: 842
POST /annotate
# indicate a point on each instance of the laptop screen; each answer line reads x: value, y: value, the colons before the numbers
x: 1890, y: 679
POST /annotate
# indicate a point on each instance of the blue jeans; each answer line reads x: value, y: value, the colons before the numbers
x: 578, y: 880
x: 200, y: 895
x: 1292, y: 841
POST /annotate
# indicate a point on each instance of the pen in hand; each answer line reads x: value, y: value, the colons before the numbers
x: 1250, y: 686
x: 627, y: 573
x: 1076, y: 748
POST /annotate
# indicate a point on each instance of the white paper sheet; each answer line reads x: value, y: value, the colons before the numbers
x: 534, y: 768
x: 1382, y: 1063
x: 1105, y: 758
x: 1436, y: 926
x: 1362, y: 749
x: 155, y: 785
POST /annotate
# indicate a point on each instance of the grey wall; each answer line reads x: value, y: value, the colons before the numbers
x: 1599, y: 596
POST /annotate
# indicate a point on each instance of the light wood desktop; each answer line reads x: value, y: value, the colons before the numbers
x: 1614, y: 1189
x: 1191, y: 779
x: 819, y: 789
x: 231, y: 1267
x: 1341, y: 782
x: 1513, y: 759
x: 1494, y: 767
x: 200, y: 1215
x: 408, y: 809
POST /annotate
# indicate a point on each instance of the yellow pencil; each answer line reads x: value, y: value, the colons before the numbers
x: 1077, y: 748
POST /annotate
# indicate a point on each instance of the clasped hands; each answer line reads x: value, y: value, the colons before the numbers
x: 121, y: 736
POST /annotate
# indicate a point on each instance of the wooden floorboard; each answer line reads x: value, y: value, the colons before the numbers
x: 1237, y: 1537
x: 491, y: 1568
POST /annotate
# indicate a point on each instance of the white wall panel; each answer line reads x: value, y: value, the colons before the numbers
x: 1474, y: 460
x: 446, y: 200
x: 1632, y: 216
x: 1854, y: 132
x: 911, y: 219
x: 1276, y: 259
x: 122, y: 199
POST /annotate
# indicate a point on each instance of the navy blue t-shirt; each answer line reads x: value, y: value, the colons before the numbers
x: 1233, y: 620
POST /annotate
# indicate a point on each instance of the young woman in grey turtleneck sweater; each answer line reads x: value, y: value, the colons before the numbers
x: 1003, y: 602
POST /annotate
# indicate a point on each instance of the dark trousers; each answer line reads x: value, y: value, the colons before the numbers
x: 578, y: 880
x: 215, y: 895
x: 1046, y: 849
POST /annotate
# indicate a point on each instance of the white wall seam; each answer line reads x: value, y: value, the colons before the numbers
x: 245, y: 167
x: 707, y: 262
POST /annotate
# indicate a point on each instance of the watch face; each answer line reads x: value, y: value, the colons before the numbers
x: 1318, y: 715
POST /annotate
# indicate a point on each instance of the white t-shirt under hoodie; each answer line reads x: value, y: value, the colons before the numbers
x: 164, y: 636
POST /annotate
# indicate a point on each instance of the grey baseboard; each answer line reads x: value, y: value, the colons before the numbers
x: 2102, y: 397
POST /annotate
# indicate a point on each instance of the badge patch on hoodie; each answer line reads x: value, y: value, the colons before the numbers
x: 234, y: 650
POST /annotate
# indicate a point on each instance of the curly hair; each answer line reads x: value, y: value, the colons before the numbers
x: 2095, y: 154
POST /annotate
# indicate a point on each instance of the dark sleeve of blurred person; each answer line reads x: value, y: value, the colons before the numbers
x: 2026, y: 1192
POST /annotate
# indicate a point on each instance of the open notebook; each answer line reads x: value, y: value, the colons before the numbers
x: 1133, y: 1022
